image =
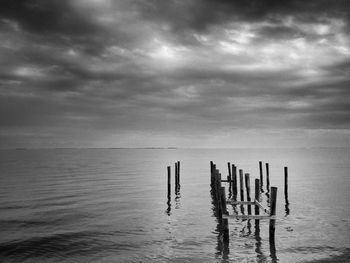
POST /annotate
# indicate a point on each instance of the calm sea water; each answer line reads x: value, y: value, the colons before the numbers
x: 110, y: 205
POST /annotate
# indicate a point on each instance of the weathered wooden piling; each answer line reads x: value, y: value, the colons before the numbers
x: 169, y: 181
x: 257, y: 195
x: 241, y: 184
x: 229, y: 177
x: 286, y: 183
x: 267, y: 176
x: 211, y: 173
x: 225, y: 230
x: 212, y: 176
x: 247, y: 185
x: 178, y: 174
x: 176, y: 179
x: 234, y: 181
x: 261, y: 173
x: 273, y: 200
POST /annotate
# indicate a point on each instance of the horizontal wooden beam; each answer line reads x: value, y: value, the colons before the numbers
x: 256, y: 217
x: 227, y: 181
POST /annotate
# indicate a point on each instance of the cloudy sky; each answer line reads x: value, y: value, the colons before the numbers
x: 185, y: 73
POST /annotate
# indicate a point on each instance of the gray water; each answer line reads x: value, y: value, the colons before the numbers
x: 110, y: 205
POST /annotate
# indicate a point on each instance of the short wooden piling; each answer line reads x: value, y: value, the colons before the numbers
x: 247, y: 185
x: 169, y: 181
x: 225, y: 230
x: 261, y: 173
x: 241, y: 184
x: 257, y: 195
x: 267, y: 176
x: 273, y: 200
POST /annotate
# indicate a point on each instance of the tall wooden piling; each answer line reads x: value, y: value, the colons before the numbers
x: 247, y: 185
x: 261, y: 173
x: 176, y: 179
x: 286, y: 183
x: 211, y: 173
x: 178, y: 173
x: 234, y: 181
x: 241, y: 184
x: 257, y: 195
x: 213, y: 176
x: 273, y: 200
x: 219, y: 196
x: 169, y: 181
x: 267, y: 177
x: 229, y: 170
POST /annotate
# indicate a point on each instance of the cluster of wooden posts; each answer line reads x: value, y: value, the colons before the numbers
x: 177, y: 179
x: 221, y: 202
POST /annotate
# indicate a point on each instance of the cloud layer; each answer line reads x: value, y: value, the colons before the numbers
x: 186, y: 73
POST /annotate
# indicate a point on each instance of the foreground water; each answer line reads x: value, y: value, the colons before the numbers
x: 110, y: 205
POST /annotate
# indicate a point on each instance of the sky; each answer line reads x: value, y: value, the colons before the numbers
x: 174, y: 73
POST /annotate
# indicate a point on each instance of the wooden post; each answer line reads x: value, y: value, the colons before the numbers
x: 234, y: 179
x: 218, y: 195
x: 272, y: 213
x: 247, y: 185
x: 261, y: 173
x: 229, y: 169
x: 267, y: 176
x: 225, y: 230
x: 178, y: 174
x: 223, y: 200
x: 229, y: 174
x: 218, y: 185
x: 286, y: 183
x: 241, y: 184
x: 169, y: 181
x: 213, y: 176
x: 176, y: 180
x: 211, y: 173
x: 257, y: 195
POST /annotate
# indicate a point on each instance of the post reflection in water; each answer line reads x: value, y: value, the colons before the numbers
x: 260, y: 256
x: 222, y: 247
x: 287, y: 204
x: 177, y: 198
x: 177, y: 201
x: 168, y: 210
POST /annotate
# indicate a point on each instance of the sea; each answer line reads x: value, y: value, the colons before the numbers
x: 111, y: 205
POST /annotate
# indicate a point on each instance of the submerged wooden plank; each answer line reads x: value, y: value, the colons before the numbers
x: 267, y: 211
x: 256, y: 217
x: 239, y: 202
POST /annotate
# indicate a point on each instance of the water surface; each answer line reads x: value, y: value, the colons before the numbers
x: 110, y: 205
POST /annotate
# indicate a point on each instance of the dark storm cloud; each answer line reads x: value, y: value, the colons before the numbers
x: 200, y: 14
x: 47, y: 17
x: 136, y: 67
